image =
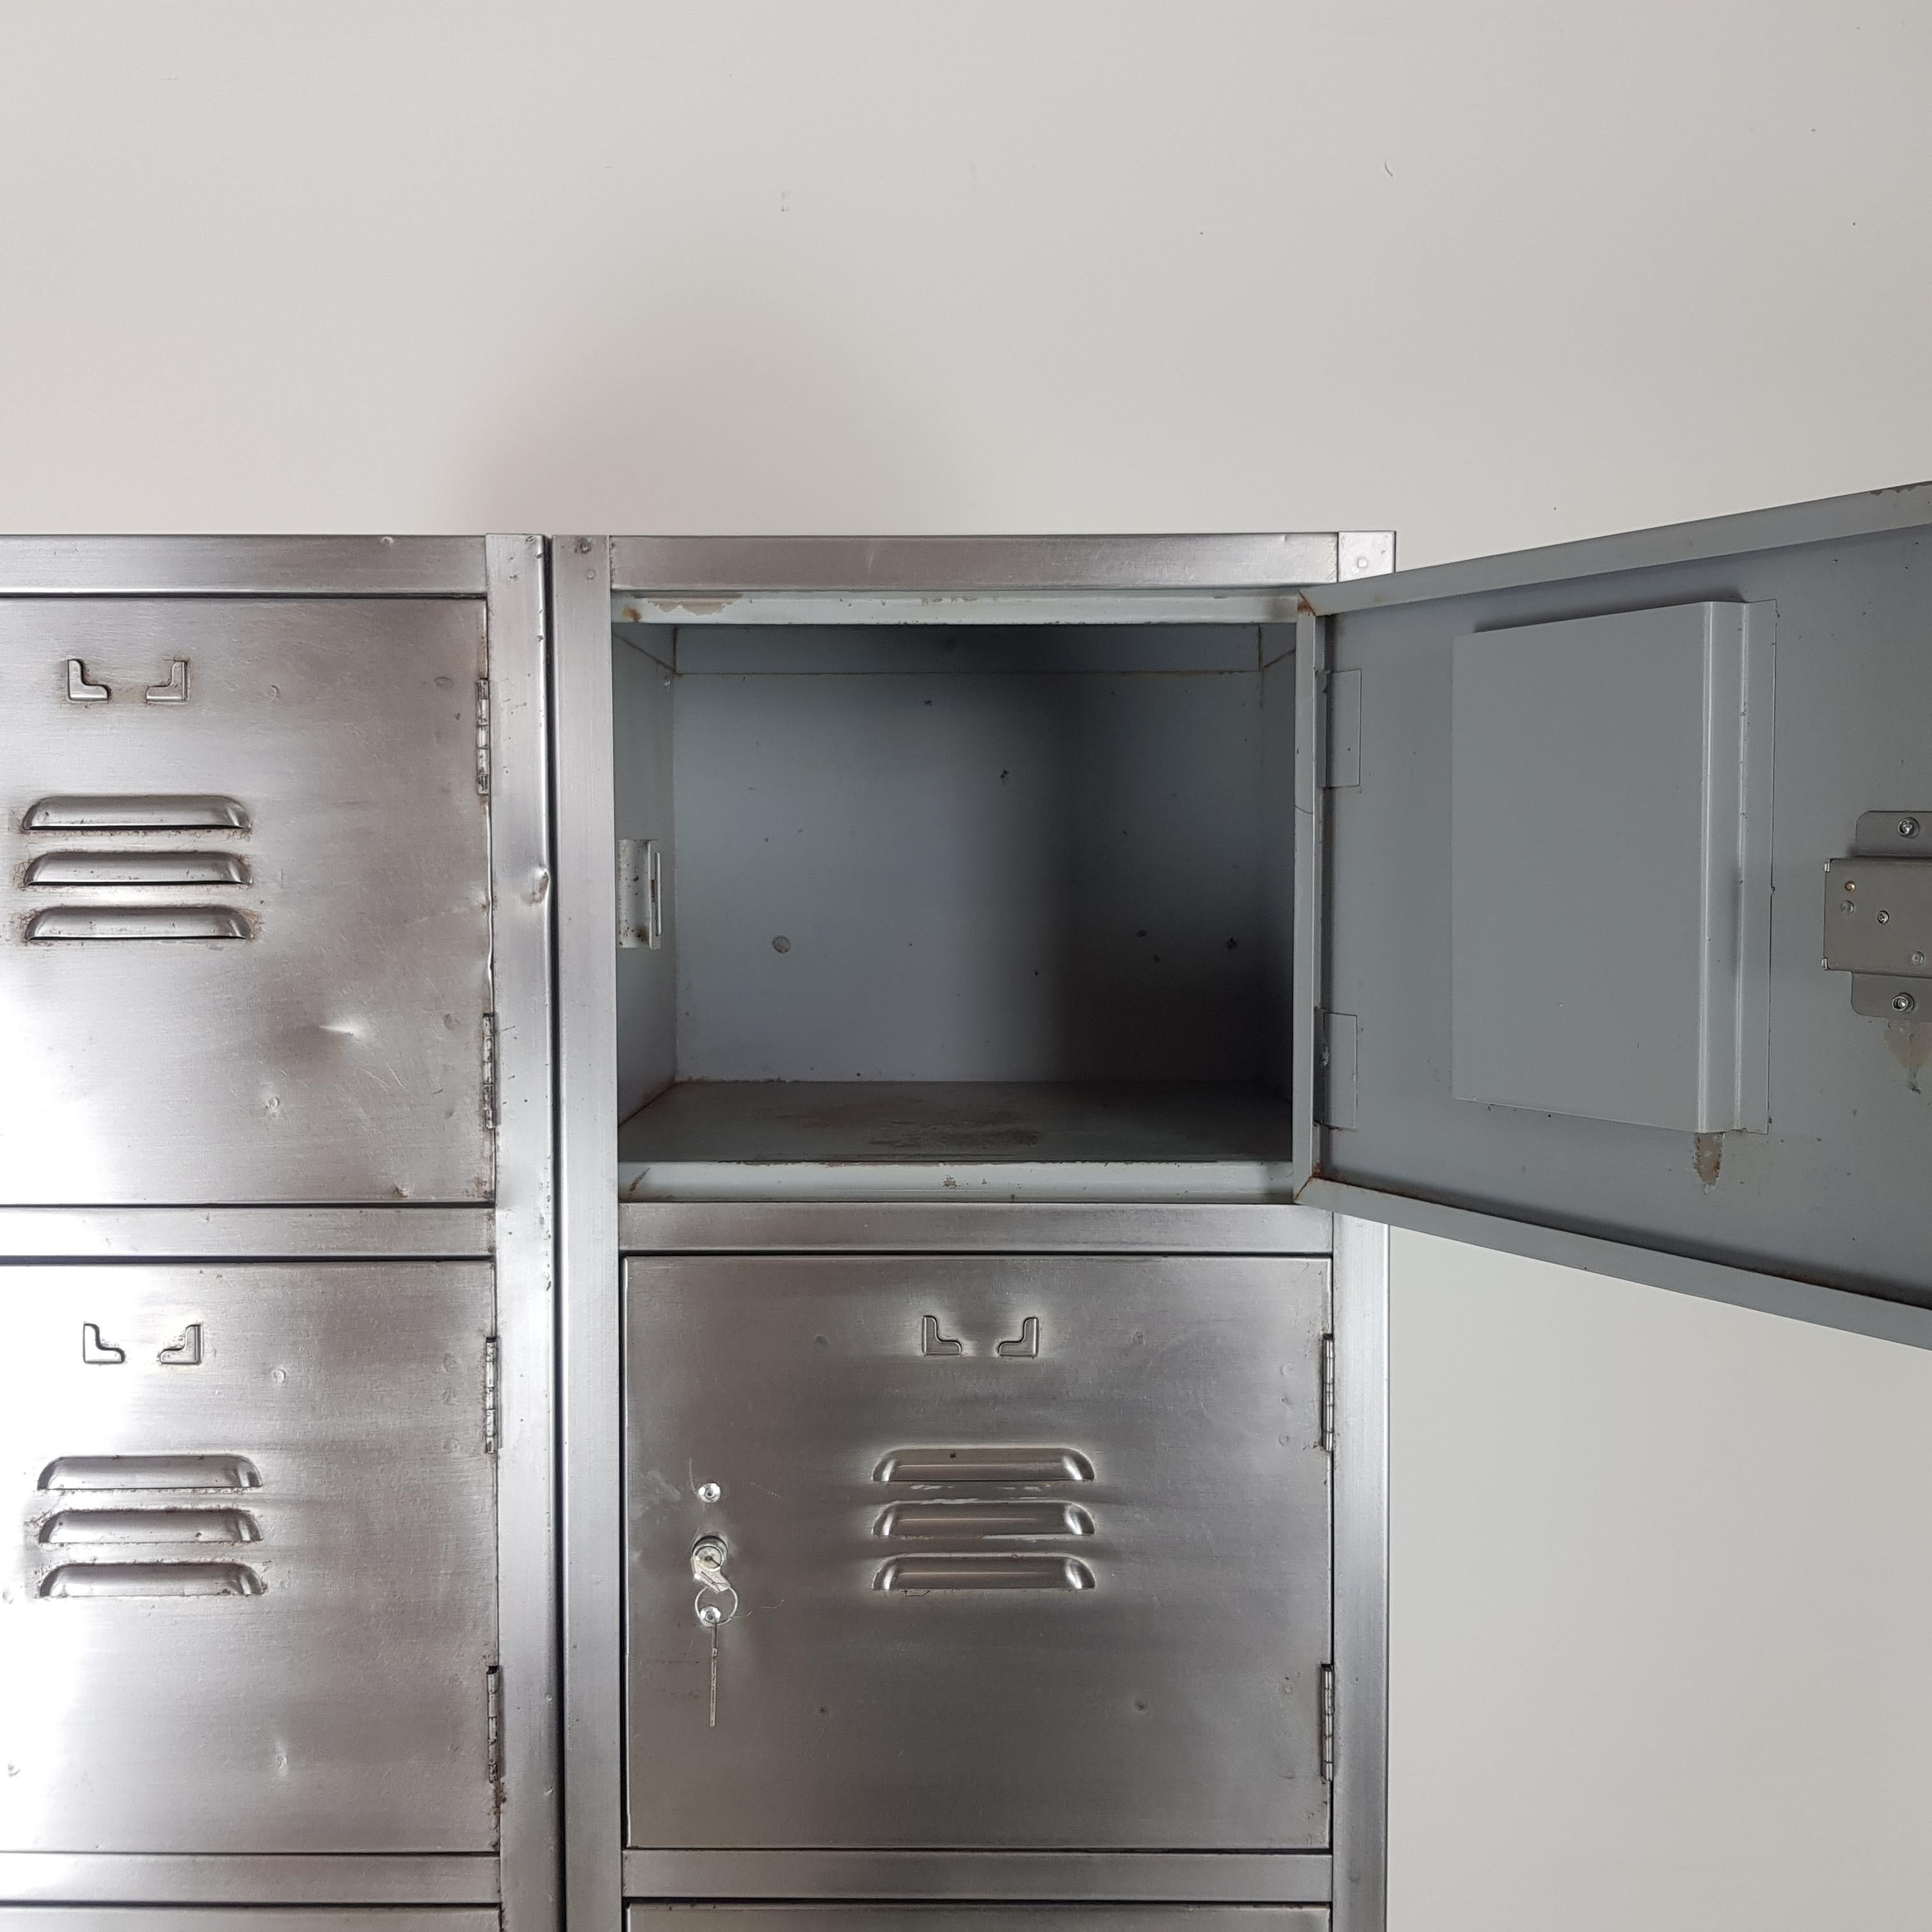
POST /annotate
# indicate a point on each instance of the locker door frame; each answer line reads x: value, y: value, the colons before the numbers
x: 1106, y: 579
x: 1871, y: 514
x: 516, y: 1228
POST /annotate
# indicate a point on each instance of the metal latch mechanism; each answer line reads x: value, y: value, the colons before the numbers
x: 1878, y: 916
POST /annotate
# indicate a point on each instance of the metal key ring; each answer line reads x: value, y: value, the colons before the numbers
x: 710, y: 1615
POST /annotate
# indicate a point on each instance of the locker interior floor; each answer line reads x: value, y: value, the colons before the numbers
x: 977, y: 1122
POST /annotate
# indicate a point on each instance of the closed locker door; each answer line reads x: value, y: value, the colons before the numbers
x: 995, y: 1552
x: 249, y: 1603
x: 245, y: 954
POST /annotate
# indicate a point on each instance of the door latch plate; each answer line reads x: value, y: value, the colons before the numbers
x: 1878, y: 915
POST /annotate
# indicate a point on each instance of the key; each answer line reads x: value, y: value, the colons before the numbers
x: 716, y: 1602
x: 710, y: 1615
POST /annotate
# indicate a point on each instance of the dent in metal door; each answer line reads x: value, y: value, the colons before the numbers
x: 245, y: 951
x: 997, y: 1552
x: 249, y: 1600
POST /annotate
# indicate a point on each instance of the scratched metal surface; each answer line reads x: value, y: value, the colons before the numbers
x: 249, y: 1602
x: 335, y: 1052
x: 920, y: 1658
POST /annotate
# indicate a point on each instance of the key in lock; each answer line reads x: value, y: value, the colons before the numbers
x: 716, y: 1602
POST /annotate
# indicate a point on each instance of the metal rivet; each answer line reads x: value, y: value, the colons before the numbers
x: 1361, y: 563
x: 780, y: 944
x: 1902, y: 1003
x: 1908, y: 828
x: 708, y: 1493
x: 583, y: 546
x: 1884, y: 918
x: 1919, y: 959
x: 709, y: 1614
x: 1851, y: 885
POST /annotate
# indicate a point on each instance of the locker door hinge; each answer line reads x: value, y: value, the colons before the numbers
x: 489, y: 1070
x: 493, y: 1747
x: 492, y: 1425
x: 1328, y: 1393
x: 1328, y: 1724
x: 483, y: 736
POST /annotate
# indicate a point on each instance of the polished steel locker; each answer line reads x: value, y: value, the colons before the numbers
x: 1008, y: 1552
x: 249, y: 1603
x: 277, y: 1615
x: 247, y: 940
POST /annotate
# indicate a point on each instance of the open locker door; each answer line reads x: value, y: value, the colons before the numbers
x: 1615, y: 905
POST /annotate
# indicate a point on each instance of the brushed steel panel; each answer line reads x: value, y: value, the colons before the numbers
x: 312, y: 1031
x: 194, y: 1918
x: 1173, y: 1703
x: 1033, y: 1227
x: 937, y: 565
x: 80, y: 566
x: 899, y: 1918
x: 151, y: 1698
x: 1225, y: 1878
x: 525, y: 1230
x: 234, y: 1234
x: 277, y: 1878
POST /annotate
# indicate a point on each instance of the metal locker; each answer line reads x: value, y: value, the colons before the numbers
x: 994, y: 1551
x: 250, y: 1600
x: 246, y: 949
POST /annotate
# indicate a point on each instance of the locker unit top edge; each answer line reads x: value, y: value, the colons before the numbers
x: 224, y: 566
x: 945, y: 567
x: 1825, y: 520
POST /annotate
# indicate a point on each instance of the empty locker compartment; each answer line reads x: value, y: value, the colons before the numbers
x: 986, y: 898
x: 250, y: 1602
x: 247, y: 940
x: 995, y: 1552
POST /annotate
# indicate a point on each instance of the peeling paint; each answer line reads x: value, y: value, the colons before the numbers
x: 1708, y: 1157
x: 695, y: 607
x: 1910, y: 1042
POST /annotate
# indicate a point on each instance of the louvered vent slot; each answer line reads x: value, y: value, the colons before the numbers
x: 138, y: 868
x: 137, y: 811
x: 110, y: 868
x: 122, y: 1548
x: 964, y: 1541
x: 152, y: 1579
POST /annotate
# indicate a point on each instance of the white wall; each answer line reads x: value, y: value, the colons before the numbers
x: 1495, y: 274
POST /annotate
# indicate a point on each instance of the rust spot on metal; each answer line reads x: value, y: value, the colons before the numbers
x: 1708, y: 1157
x: 695, y: 607
x: 1910, y: 1043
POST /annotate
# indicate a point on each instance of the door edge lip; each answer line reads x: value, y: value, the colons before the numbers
x: 1867, y: 513
x: 1853, y: 1311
